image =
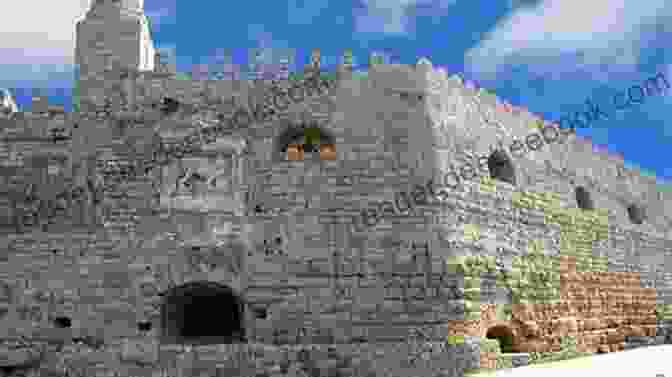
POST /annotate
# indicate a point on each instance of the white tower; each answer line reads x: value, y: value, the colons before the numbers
x: 113, y: 32
x: 7, y: 103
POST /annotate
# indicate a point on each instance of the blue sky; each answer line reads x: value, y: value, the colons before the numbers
x: 546, y: 55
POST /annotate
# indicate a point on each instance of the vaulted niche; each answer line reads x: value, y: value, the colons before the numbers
x: 201, y: 313
x: 298, y: 139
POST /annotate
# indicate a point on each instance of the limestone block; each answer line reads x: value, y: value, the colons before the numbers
x: 19, y: 356
x: 635, y: 331
x: 531, y: 346
x: 531, y: 329
x: 614, y: 336
x: 658, y: 340
x: 594, y: 324
x: 650, y: 330
x: 141, y: 351
x: 613, y: 322
x: 565, y: 326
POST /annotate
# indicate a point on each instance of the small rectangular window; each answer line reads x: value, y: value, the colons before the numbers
x: 260, y: 313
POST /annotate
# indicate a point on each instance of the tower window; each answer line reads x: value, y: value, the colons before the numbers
x: 583, y: 199
x: 501, y: 168
x: 144, y: 326
x: 170, y: 106
x: 636, y: 214
x: 62, y: 322
x: 260, y: 313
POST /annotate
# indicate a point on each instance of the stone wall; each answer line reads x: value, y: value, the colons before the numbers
x: 308, y: 259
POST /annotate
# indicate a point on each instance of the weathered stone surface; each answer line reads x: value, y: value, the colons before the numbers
x: 531, y: 346
x: 145, y: 351
x: 158, y: 194
x: 565, y: 326
x: 531, y: 329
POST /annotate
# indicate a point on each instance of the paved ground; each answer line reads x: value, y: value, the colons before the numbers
x: 642, y: 362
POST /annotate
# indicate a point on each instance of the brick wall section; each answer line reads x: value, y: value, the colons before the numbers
x: 600, y: 309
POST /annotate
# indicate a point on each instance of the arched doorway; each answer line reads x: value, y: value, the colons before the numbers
x: 202, y: 312
x: 504, y: 335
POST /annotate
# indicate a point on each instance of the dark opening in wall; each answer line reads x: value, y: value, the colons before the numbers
x: 145, y: 326
x: 62, y: 322
x: 501, y: 168
x: 260, y: 313
x: 583, y: 199
x: 169, y: 106
x: 636, y: 214
x: 202, y: 313
x: 300, y: 138
x: 504, y: 335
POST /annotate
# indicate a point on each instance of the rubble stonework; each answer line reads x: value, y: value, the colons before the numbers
x: 149, y: 218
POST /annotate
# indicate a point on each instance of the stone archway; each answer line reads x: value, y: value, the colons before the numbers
x: 504, y: 335
x: 202, y: 312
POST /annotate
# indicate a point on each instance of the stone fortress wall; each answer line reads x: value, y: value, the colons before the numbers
x: 111, y: 220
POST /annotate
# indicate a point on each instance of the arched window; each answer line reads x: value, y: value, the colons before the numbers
x: 637, y: 214
x: 583, y: 199
x: 201, y: 313
x: 297, y: 140
x: 501, y: 168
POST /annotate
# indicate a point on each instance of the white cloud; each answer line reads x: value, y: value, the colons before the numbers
x: 392, y: 16
x: 37, y: 39
x: 37, y: 42
x: 40, y: 32
x: 569, y: 34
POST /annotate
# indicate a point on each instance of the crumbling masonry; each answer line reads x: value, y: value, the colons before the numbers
x: 149, y: 220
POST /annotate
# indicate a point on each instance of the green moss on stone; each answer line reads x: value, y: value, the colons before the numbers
x: 504, y: 361
x: 455, y: 339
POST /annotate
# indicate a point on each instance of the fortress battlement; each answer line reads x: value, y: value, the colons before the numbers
x: 139, y: 96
